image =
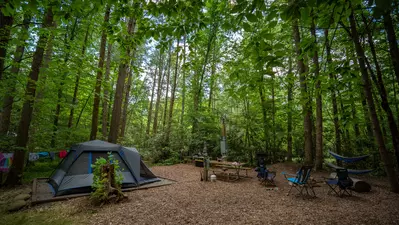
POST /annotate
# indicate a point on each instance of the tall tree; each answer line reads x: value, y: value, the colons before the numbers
x: 123, y: 69
x: 97, y: 92
x: 319, y: 105
x: 77, y: 79
x: 126, y: 102
x: 388, y: 164
x: 306, y: 111
x: 8, y: 100
x: 15, y: 174
x: 6, y: 21
x: 106, y: 100
x: 149, y: 118
x: 290, y: 84
x: 173, y: 93
x: 167, y: 85
x: 161, y: 75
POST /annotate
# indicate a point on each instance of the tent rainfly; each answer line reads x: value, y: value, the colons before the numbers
x: 74, y: 173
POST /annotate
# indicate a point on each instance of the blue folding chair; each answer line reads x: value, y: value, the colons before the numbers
x: 301, y: 181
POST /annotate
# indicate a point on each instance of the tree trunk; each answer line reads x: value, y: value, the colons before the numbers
x: 117, y: 107
x: 5, y: 31
x: 126, y: 104
x: 379, y: 82
x: 393, y: 44
x: 167, y: 88
x: 319, y: 106
x: 264, y: 112
x: 307, y: 122
x: 99, y: 77
x: 333, y: 89
x: 183, y: 82
x: 149, y: 118
x: 290, y: 84
x: 212, y: 78
x: 172, y: 97
x: 388, y: 164
x: 8, y: 100
x: 61, y: 85
x: 75, y: 92
x: 159, y: 90
x: 15, y: 174
x: 106, y: 99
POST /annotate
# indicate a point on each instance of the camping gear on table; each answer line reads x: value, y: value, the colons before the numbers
x: 301, y: 180
x: 74, y: 174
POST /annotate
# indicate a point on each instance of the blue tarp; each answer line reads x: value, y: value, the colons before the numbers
x: 349, y: 170
x: 348, y: 159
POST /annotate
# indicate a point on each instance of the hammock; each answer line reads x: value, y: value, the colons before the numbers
x: 348, y: 159
x: 349, y: 170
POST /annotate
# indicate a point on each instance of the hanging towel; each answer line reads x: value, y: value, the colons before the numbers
x: 33, y: 157
x: 43, y: 154
x: 5, y: 161
x: 62, y: 154
x: 52, y: 155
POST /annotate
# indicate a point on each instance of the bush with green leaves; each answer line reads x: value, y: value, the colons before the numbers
x: 106, y: 183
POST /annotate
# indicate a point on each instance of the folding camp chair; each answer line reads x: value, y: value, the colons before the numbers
x: 301, y: 181
x: 266, y: 177
x: 341, y: 184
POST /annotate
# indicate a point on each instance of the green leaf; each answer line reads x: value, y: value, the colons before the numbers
x: 279, y: 45
x: 246, y: 27
x: 251, y: 17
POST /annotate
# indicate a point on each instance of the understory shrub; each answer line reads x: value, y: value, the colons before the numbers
x: 107, y: 181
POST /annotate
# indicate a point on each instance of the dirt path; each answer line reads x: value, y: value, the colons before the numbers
x: 190, y: 201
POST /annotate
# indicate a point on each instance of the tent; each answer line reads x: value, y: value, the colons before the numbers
x: 74, y: 174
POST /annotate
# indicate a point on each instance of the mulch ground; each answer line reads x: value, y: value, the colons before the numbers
x: 190, y: 201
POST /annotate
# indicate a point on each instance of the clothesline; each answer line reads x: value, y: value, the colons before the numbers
x: 6, y: 159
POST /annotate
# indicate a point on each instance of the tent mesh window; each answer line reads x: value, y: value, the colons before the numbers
x: 122, y: 166
x: 80, y: 166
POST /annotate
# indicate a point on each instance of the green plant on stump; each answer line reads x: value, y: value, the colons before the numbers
x: 107, y: 181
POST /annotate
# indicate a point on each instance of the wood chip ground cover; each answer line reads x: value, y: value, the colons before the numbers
x: 190, y: 201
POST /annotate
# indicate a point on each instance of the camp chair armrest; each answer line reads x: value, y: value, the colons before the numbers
x: 286, y: 175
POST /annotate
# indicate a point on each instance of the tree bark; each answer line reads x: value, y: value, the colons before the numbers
x: 117, y: 107
x: 126, y: 104
x: 172, y: 97
x: 307, y: 122
x: 167, y: 88
x: 393, y: 44
x: 104, y: 125
x: 77, y: 79
x: 333, y: 89
x: 5, y: 31
x: 212, y: 78
x: 149, y: 118
x: 159, y: 90
x: 15, y: 174
x: 264, y: 112
x: 97, y: 91
x: 183, y: 82
x: 290, y: 84
x: 388, y: 164
x: 319, y: 106
x: 8, y: 100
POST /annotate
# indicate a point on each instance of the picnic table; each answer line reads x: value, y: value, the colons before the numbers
x: 225, y: 168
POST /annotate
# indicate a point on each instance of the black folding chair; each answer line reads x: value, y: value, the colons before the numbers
x: 341, y: 184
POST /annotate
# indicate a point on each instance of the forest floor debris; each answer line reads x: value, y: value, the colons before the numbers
x: 242, y: 202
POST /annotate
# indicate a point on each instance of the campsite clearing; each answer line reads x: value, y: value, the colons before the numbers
x: 244, y: 202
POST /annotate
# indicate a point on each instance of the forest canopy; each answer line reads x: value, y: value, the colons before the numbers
x: 292, y: 78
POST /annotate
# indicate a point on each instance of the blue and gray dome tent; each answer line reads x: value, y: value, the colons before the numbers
x: 74, y: 173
